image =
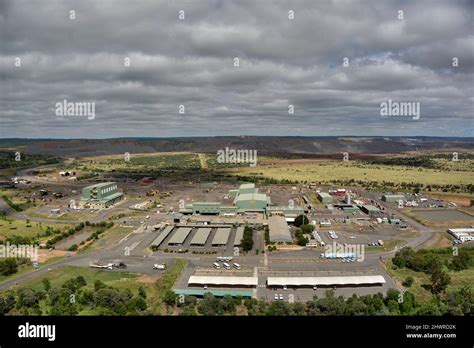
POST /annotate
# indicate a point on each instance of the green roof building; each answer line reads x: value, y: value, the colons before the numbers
x: 324, y: 197
x: 370, y: 209
x: 100, y: 196
x: 206, y: 207
x: 247, y: 188
x: 393, y: 198
x: 251, y: 201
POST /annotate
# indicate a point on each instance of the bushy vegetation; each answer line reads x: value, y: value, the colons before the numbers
x: 435, y: 263
x: 102, y: 227
x: 459, y: 302
x: 8, y: 160
x: 247, y: 239
x: 9, y: 266
x: 72, y: 297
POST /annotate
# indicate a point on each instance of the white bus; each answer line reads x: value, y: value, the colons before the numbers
x: 226, y: 265
x: 217, y: 266
x: 237, y: 266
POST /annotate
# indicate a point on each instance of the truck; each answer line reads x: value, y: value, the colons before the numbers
x: 160, y: 266
x: 380, y: 242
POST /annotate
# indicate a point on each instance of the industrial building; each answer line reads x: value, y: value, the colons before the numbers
x: 463, y: 234
x: 246, y: 199
x: 324, y: 197
x: 393, y: 198
x: 279, y: 230
x: 370, y: 210
x: 100, y: 196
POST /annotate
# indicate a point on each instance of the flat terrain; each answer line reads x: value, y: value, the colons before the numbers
x: 331, y: 171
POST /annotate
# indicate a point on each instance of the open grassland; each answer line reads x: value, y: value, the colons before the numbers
x: 330, y: 171
x: 59, y: 275
x: 10, y: 227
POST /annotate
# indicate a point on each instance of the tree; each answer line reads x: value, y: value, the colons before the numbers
x: 439, y: 281
x: 402, y: 257
x: 301, y: 220
x: 461, y: 261
x: 46, y: 284
x: 169, y: 298
x: 98, y: 285
x: 247, y: 239
x: 408, y: 282
x: 142, y: 292
x: 8, y: 267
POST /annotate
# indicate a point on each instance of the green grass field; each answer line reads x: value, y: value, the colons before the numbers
x: 58, y: 276
x: 10, y: 227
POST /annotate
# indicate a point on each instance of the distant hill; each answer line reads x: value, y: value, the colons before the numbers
x: 264, y: 145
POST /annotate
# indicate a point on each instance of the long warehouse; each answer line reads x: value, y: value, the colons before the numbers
x: 221, y: 237
x: 223, y: 281
x: 239, y: 234
x: 162, y: 236
x: 279, y: 231
x: 326, y: 281
x: 180, y: 236
x: 201, y: 236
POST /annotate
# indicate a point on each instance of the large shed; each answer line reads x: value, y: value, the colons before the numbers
x: 279, y: 230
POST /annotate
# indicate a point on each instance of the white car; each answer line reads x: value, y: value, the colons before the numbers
x: 275, y: 297
x: 281, y: 296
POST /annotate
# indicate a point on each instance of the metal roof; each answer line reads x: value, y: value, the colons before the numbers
x: 161, y: 237
x: 370, y: 208
x: 251, y: 197
x: 279, y: 231
x: 221, y: 237
x: 324, y: 195
x: 247, y: 186
x: 311, y: 281
x: 102, y: 184
x: 223, y: 280
x: 180, y: 235
x: 201, y: 236
x: 239, y: 235
x: 218, y: 293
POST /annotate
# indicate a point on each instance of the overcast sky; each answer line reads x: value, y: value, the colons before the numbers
x: 190, y: 62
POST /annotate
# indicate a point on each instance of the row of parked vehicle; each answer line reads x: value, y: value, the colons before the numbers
x: 225, y: 264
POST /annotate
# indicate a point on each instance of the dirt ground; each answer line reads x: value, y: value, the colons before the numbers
x: 44, y: 255
x: 149, y: 279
